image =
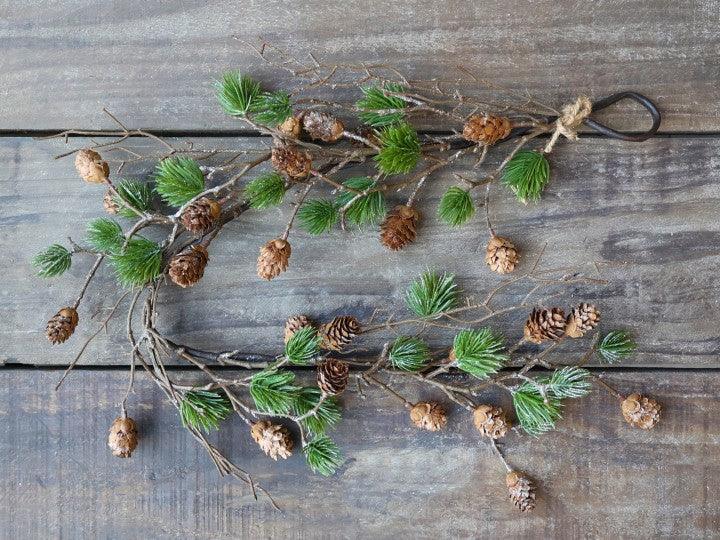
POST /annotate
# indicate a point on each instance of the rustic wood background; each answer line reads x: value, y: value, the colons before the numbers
x: 647, y: 214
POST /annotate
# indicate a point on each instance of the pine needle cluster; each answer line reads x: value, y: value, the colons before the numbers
x: 432, y: 294
x: 479, y: 352
x: 616, y: 345
x: 327, y: 411
x: 271, y: 108
x: 302, y: 348
x: 203, y: 410
x: 323, y: 456
x: 456, y: 206
x: 318, y: 216
x: 178, y: 180
x: 379, y: 109
x: 367, y: 209
x: 527, y: 174
x: 132, y: 194
x: 52, y: 262
x: 265, y: 191
x: 274, y: 391
x: 399, y: 149
x: 237, y: 93
x: 409, y: 354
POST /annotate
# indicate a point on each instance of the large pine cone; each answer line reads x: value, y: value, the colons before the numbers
x: 332, y: 376
x: 640, y: 411
x: 338, y: 333
x: 91, y: 167
x: 582, y: 319
x: 291, y: 160
x: 400, y: 227
x: 62, y: 325
x: 491, y: 421
x: 322, y: 126
x: 200, y: 216
x: 295, y: 323
x: 123, y: 437
x: 522, y: 491
x: 544, y: 324
x: 428, y: 415
x: 275, y: 440
x: 187, y: 268
x: 274, y: 258
x: 486, y: 129
x: 501, y: 255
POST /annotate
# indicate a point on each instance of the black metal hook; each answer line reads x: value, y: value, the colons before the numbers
x: 608, y: 132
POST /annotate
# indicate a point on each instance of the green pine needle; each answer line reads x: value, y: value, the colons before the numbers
x: 535, y: 413
x: 456, y: 206
x: 273, y: 391
x: 527, y: 174
x: 132, y: 194
x: 323, y: 456
x: 237, y: 93
x: 399, y: 149
x: 366, y: 210
x: 202, y: 410
x: 178, y: 179
x: 409, y: 354
x: 567, y: 382
x: 432, y: 294
x: 303, y: 346
x: 105, y: 235
x: 375, y: 100
x: 479, y: 352
x: 616, y: 346
x: 265, y: 191
x: 317, y: 216
x: 271, y: 108
x: 137, y: 264
x: 327, y: 415
x: 52, y: 262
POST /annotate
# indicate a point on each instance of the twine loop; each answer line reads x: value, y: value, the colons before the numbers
x: 570, y: 119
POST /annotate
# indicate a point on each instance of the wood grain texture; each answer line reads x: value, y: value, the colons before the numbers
x: 153, y: 62
x: 646, y: 214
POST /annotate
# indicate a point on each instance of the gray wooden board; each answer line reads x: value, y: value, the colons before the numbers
x: 598, y: 477
x: 153, y: 62
x: 646, y: 213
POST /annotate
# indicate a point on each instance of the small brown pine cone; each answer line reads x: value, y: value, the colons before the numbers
x: 62, y: 325
x: 522, y: 491
x: 295, y: 323
x: 332, y: 376
x: 486, y: 129
x: 428, y: 415
x: 291, y: 127
x: 111, y: 207
x: 338, y: 333
x: 274, y: 258
x: 501, y: 255
x: 123, y: 437
x: 187, y: 268
x: 275, y: 440
x: 491, y: 421
x: 400, y: 227
x: 640, y: 411
x: 91, y: 167
x: 582, y: 319
x: 291, y: 160
x: 200, y: 216
x: 544, y: 324
x: 322, y: 126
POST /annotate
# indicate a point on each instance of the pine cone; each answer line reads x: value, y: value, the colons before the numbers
x: 291, y: 160
x: 291, y: 127
x: 123, y: 437
x: 545, y: 324
x: 582, y: 319
x: 200, y: 216
x: 428, y: 415
x: 332, y: 376
x: 486, y: 129
x: 273, y: 439
x: 501, y: 255
x: 491, y: 421
x: 111, y: 207
x: 62, y: 325
x: 322, y: 126
x: 91, y: 167
x: 274, y: 258
x: 295, y: 323
x: 338, y: 333
x: 522, y: 491
x: 187, y: 268
x: 640, y: 411
x: 400, y: 227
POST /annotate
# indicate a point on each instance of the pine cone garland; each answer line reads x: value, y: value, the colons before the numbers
x: 275, y: 440
x: 91, y: 167
x: 400, y: 227
x: 582, y: 319
x: 200, y: 216
x: 338, y: 333
x: 501, y: 255
x: 62, y: 325
x: 187, y: 268
x: 491, y: 421
x: 544, y: 324
x: 322, y: 126
x: 428, y: 415
x: 486, y: 129
x: 291, y: 160
x: 332, y: 376
x: 109, y: 204
x: 291, y: 127
x: 123, y: 437
x: 295, y: 323
x: 274, y: 258
x: 522, y: 491
x: 640, y: 411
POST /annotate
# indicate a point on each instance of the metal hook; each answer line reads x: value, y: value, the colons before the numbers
x: 608, y: 132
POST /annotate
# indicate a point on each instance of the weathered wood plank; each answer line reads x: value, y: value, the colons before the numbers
x: 646, y: 213
x: 153, y: 63
x: 598, y: 477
